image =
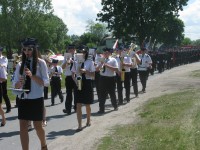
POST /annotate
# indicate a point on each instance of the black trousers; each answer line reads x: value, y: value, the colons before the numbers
x: 143, y: 78
x: 3, y: 93
x: 107, y: 86
x: 97, y: 76
x: 46, y: 92
x: 56, y: 88
x: 71, y: 89
x: 119, y: 89
x: 127, y: 85
x: 134, y: 74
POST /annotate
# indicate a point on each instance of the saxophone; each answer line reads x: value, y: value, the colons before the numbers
x: 122, y: 67
x: 79, y: 78
x: 78, y: 74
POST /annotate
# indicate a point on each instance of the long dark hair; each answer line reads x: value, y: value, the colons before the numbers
x: 86, y: 55
x: 34, y: 63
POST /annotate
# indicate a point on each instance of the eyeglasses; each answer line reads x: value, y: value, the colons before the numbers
x: 29, y: 49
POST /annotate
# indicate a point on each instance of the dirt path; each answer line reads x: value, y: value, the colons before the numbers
x: 170, y: 81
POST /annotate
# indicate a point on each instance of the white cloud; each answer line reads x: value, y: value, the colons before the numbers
x: 191, y: 18
x: 76, y: 13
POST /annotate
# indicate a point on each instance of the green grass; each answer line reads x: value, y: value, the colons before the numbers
x: 195, y: 73
x: 169, y: 122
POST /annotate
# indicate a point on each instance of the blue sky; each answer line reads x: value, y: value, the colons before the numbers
x: 76, y: 13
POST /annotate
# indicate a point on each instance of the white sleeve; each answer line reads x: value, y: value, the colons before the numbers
x: 16, y: 75
x: 44, y: 72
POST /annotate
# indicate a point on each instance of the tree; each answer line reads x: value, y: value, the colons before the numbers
x: 140, y: 18
x: 30, y: 18
x: 196, y: 42
x: 186, y: 41
x: 97, y: 29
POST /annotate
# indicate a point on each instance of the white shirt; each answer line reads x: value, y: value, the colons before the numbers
x: 108, y: 72
x: 145, y: 62
x: 36, y: 89
x: 68, y: 71
x: 3, y: 67
x: 88, y: 65
x: 60, y: 71
x: 134, y: 60
x: 126, y: 60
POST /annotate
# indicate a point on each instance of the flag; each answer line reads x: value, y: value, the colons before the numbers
x: 116, y: 44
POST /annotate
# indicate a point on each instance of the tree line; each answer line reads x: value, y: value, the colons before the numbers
x: 130, y: 20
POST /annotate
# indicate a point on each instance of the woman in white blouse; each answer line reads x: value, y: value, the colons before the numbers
x: 84, y: 96
x: 31, y: 74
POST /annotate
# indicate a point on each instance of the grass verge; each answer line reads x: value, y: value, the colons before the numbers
x: 167, y: 122
x: 195, y: 73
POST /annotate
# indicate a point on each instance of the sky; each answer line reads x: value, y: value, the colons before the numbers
x: 76, y: 13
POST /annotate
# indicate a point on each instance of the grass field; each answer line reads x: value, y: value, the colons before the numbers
x: 169, y: 122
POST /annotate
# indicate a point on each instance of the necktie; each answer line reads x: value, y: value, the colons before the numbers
x: 71, y: 63
x: 104, y: 67
x: 27, y: 84
x: 82, y: 65
x: 56, y: 69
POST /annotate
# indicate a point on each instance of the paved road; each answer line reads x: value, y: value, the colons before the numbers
x: 58, y: 124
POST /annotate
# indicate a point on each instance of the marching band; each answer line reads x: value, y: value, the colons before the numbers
x: 107, y: 70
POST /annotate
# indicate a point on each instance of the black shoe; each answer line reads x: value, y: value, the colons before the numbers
x: 136, y: 95
x: 79, y: 129
x: 52, y: 104
x: 67, y: 112
x: 2, y: 124
x: 62, y: 99
x: 120, y: 103
x: 116, y: 109
x: 8, y: 110
x: 101, y: 112
x: 143, y: 90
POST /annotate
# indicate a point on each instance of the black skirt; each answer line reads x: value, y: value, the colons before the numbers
x: 31, y: 109
x: 85, y: 95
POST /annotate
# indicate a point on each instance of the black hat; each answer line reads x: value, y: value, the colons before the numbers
x: 143, y: 49
x: 120, y: 48
x: 108, y: 49
x: 83, y: 49
x: 29, y: 42
x: 1, y: 48
x: 127, y: 46
x: 54, y: 61
x: 71, y: 46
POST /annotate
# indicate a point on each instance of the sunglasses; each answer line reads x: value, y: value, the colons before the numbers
x: 29, y: 49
